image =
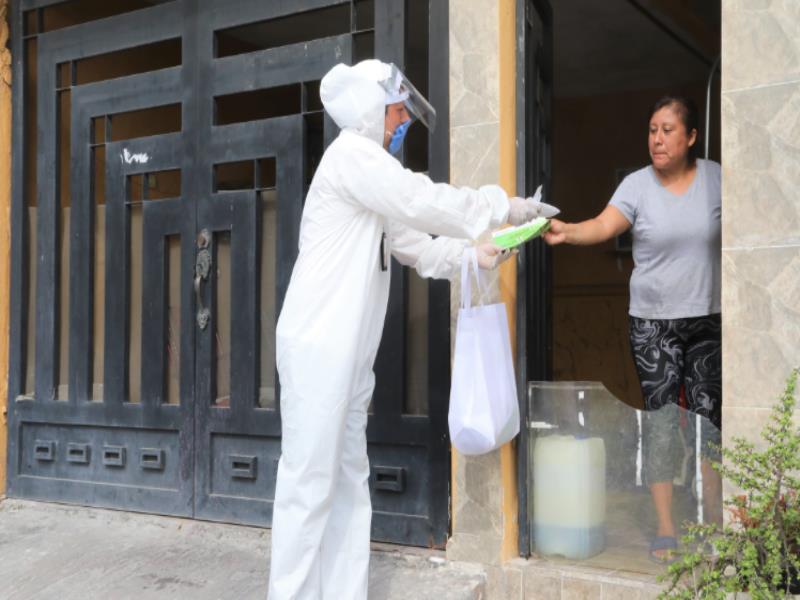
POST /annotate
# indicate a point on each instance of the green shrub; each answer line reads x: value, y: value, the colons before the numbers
x: 758, y: 551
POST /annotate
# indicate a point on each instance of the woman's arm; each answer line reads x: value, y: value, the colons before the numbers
x: 603, y: 227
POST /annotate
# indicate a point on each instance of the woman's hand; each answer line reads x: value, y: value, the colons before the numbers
x: 602, y: 228
x: 556, y: 234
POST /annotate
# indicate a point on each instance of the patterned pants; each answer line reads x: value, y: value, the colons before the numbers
x: 670, y: 353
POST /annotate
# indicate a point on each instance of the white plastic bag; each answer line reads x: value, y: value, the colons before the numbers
x: 484, y: 413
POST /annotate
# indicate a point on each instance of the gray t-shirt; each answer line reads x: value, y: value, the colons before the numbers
x: 676, y: 243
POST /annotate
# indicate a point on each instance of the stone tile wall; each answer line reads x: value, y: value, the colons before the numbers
x: 760, y: 255
x: 760, y: 207
x: 538, y: 579
x: 477, y: 494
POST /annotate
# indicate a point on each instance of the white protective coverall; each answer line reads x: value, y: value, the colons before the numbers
x: 331, y: 324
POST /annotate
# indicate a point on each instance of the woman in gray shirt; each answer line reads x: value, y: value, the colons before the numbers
x: 673, y: 210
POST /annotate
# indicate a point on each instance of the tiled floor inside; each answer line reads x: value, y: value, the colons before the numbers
x: 630, y: 525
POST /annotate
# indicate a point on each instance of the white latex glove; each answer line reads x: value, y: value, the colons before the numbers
x: 522, y: 210
x: 490, y: 256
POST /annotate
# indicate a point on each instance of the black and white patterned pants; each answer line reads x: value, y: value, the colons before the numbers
x: 670, y: 353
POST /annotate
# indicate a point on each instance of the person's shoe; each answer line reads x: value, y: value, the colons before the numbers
x: 663, y: 549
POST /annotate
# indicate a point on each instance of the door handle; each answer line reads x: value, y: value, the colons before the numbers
x: 202, y: 267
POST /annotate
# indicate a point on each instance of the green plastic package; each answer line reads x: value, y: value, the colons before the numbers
x: 512, y: 237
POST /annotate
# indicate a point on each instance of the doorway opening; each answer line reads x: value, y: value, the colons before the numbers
x: 612, y: 62
x: 593, y: 70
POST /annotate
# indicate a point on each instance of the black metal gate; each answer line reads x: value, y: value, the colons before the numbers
x: 162, y: 154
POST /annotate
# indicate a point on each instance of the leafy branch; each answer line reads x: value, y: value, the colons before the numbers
x: 758, y: 551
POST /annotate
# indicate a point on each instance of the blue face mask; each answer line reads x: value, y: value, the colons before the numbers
x: 397, y: 137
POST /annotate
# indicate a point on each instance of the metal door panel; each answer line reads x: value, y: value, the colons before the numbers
x: 242, y: 432
x: 231, y: 13
x: 110, y: 452
x: 274, y: 67
x: 213, y: 460
x: 89, y: 101
x: 238, y: 445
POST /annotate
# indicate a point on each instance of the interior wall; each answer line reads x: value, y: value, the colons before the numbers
x: 596, y: 139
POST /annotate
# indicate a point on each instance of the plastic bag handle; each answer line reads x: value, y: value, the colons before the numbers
x: 470, y: 256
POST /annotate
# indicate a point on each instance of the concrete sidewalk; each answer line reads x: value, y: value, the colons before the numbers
x: 58, y: 552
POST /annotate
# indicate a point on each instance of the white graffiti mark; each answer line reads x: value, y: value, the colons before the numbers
x: 129, y: 158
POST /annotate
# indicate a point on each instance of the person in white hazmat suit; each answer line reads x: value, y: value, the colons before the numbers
x: 361, y: 205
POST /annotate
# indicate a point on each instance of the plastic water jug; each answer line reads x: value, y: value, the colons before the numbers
x: 569, y: 496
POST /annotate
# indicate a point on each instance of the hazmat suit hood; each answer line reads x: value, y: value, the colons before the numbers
x: 354, y: 98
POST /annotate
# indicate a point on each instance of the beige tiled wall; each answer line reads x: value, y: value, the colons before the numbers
x: 474, y: 161
x: 761, y: 207
x: 537, y: 579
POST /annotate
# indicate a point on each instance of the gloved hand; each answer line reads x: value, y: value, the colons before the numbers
x: 490, y: 256
x: 523, y: 210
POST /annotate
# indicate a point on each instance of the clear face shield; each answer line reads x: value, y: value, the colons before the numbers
x: 400, y: 89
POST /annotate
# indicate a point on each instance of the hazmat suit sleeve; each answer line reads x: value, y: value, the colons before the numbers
x: 377, y: 181
x: 437, y: 258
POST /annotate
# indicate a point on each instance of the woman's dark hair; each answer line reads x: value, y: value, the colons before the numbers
x: 686, y: 109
